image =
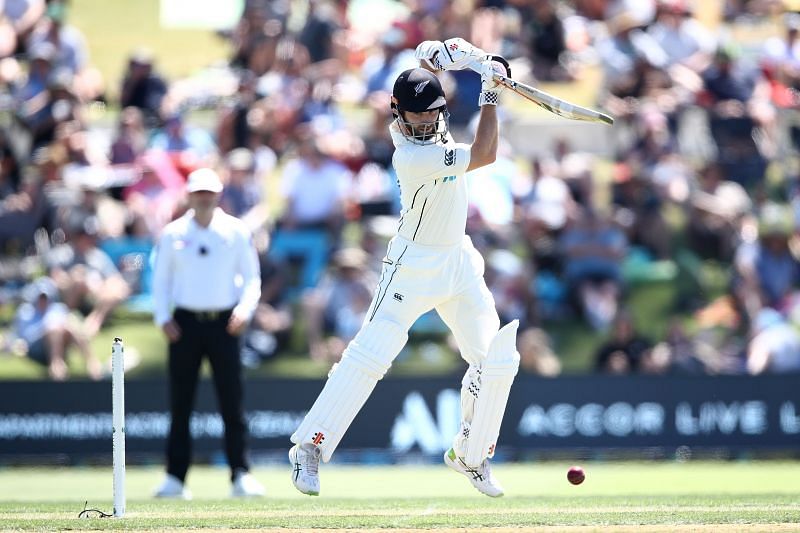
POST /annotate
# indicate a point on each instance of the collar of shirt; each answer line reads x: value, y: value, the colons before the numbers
x: 216, y: 218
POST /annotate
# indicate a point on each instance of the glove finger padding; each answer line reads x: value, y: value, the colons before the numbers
x: 502, y: 60
x: 431, y: 52
x: 490, y: 89
x: 459, y: 54
x: 487, y: 70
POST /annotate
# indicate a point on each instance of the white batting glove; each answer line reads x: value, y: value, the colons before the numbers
x: 429, y: 52
x: 490, y: 89
x: 452, y: 54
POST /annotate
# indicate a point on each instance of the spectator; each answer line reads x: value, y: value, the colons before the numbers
x: 143, y: 88
x: 638, y: 210
x: 23, y: 16
x: 318, y: 33
x: 23, y: 213
x: 235, y: 128
x: 775, y: 345
x: 86, y: 277
x: 188, y: 145
x: 768, y: 267
x: 40, y: 68
x: 491, y: 198
x: 42, y: 114
x: 130, y: 253
x: 46, y: 331
x: 633, y: 62
x: 382, y: 68
x: 255, y: 39
x: 270, y: 331
x: 243, y: 190
x: 623, y: 352
x: 507, y: 277
x: 592, y: 251
x: 547, y: 42
x: 657, y: 361
x: 781, y: 62
x: 206, y: 267
x: 131, y: 138
x: 716, y: 211
x: 685, y: 355
x: 72, y: 53
x: 159, y: 191
x: 682, y: 37
x: 544, y: 204
x: 335, y: 308
x: 9, y: 170
x: 536, y: 353
x: 737, y: 98
x: 315, y: 187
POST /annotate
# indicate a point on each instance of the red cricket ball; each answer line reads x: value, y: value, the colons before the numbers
x: 576, y: 475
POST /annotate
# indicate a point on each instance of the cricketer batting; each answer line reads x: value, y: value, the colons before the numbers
x: 429, y: 264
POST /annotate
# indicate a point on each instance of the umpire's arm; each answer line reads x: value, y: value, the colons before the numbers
x: 251, y: 285
x: 162, y: 288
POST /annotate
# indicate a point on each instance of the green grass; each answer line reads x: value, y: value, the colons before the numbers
x: 114, y: 28
x: 736, y: 496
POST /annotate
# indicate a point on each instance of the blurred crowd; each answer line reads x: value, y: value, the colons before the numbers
x: 702, y: 175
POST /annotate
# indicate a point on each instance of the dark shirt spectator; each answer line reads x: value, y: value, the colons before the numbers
x: 317, y: 34
x: 142, y: 87
x: 724, y: 82
x: 623, y: 352
x: 22, y: 213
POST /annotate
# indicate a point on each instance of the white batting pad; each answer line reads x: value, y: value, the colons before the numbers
x: 496, y: 376
x: 350, y: 382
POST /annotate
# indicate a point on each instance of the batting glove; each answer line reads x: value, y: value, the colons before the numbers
x: 490, y: 89
x: 452, y: 54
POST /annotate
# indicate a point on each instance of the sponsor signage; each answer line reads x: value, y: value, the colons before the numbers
x: 421, y: 415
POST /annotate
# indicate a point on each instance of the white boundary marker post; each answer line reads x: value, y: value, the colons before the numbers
x: 118, y: 423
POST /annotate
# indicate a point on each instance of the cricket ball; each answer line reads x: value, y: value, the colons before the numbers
x: 576, y: 475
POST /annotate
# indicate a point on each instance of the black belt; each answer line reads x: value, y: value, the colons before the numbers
x: 204, y: 316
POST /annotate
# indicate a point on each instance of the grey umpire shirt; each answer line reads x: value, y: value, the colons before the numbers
x: 206, y: 269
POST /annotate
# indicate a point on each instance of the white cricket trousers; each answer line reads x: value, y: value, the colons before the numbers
x: 415, y: 279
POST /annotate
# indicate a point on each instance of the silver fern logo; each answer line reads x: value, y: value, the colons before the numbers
x: 418, y: 88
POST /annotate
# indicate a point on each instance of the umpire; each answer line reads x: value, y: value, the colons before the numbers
x: 206, y: 287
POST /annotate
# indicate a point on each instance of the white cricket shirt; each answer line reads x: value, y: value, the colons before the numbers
x: 433, y: 190
x: 205, y: 269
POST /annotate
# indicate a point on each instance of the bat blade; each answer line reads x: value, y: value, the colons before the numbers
x: 553, y: 104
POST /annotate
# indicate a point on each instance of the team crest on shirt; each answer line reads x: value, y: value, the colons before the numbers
x: 449, y: 158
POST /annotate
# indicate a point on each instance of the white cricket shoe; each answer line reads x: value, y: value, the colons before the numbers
x: 305, y: 464
x: 481, y: 476
x: 245, y: 485
x: 174, y: 488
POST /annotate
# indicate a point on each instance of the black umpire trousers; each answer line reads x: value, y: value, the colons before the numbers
x: 203, y: 333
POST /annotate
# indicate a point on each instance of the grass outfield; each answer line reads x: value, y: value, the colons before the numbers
x: 735, y: 496
x: 114, y: 28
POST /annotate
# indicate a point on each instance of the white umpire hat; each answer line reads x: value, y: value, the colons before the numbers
x: 204, y: 179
